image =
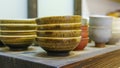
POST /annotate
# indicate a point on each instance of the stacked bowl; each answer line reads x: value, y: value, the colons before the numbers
x: 100, y: 29
x: 115, y: 32
x: 58, y: 35
x: 17, y: 34
x: 84, y: 34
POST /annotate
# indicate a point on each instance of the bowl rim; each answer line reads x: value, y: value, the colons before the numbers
x: 57, y: 30
x: 61, y: 24
x: 59, y: 37
x: 17, y: 31
x: 18, y: 25
x: 17, y: 36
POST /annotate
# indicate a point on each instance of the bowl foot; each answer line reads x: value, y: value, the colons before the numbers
x: 100, y: 45
x: 58, y: 53
x: 18, y: 47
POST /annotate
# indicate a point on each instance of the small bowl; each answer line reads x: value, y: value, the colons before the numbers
x: 114, y: 39
x: 59, y: 33
x: 18, y: 26
x: 22, y: 32
x: 66, y: 26
x: 99, y: 20
x: 58, y: 46
x: 59, y: 19
x: 84, y: 34
x: 17, y: 21
x: 83, y: 43
x: 100, y: 35
x: 17, y: 43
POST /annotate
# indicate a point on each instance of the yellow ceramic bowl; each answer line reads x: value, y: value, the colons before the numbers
x: 21, y: 32
x: 17, y: 42
x: 65, y: 26
x: 59, y: 19
x: 17, y: 21
x: 58, y: 46
x: 18, y: 26
x: 59, y: 33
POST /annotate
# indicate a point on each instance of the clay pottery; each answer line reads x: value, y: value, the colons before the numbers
x: 100, y: 35
x: 102, y: 21
x: 16, y: 32
x: 18, y: 26
x: 83, y: 43
x: 61, y: 26
x: 58, y: 33
x: 58, y: 46
x: 59, y: 19
x: 17, y: 21
x: 17, y: 43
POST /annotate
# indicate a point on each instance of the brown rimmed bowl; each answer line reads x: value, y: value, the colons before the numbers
x: 59, y: 33
x: 58, y: 46
x: 59, y: 19
x: 65, y: 26
x: 17, y: 43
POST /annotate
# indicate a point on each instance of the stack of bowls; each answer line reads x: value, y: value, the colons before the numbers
x: 84, y: 34
x: 100, y: 29
x: 17, y: 34
x: 115, y: 32
x: 58, y: 35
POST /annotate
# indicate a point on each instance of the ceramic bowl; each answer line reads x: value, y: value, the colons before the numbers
x: 18, y: 26
x: 17, y: 43
x: 114, y: 39
x: 83, y: 43
x: 58, y: 46
x: 59, y: 33
x: 17, y: 21
x: 100, y: 35
x: 59, y: 19
x: 66, y: 26
x: 105, y: 21
x: 84, y: 34
x: 22, y: 32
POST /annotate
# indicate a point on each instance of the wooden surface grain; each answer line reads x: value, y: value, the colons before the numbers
x: 35, y: 57
x: 108, y: 60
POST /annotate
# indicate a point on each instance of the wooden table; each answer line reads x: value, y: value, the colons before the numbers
x: 35, y: 57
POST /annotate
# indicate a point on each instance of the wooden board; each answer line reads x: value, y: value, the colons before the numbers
x: 35, y: 57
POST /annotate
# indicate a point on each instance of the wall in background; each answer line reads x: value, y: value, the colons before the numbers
x: 55, y: 7
x: 101, y: 7
x: 13, y: 8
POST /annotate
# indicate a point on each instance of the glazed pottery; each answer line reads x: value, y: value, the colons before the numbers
x: 100, y: 35
x: 18, y: 26
x: 83, y: 43
x: 61, y: 26
x: 100, y: 21
x: 17, y: 21
x: 17, y: 43
x: 58, y: 33
x: 59, y: 19
x: 22, y: 32
x: 114, y: 39
x: 58, y: 46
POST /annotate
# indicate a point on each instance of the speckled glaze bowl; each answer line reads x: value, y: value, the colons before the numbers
x: 63, y: 26
x: 18, y: 26
x: 83, y: 43
x: 59, y: 33
x: 58, y: 46
x: 16, y: 32
x: 17, y: 21
x: 17, y: 43
x: 59, y: 19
